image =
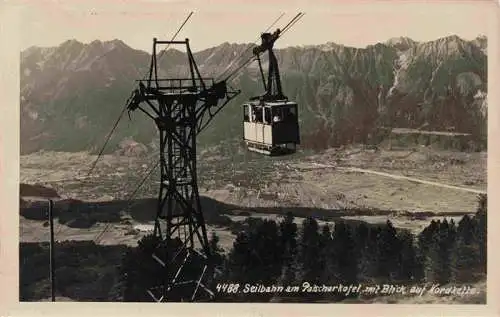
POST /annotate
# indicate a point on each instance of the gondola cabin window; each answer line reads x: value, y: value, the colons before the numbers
x: 271, y: 127
x: 246, y: 113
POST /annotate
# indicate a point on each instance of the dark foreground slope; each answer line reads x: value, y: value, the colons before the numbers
x: 266, y: 252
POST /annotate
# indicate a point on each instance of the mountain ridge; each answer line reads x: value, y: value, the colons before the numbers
x: 346, y: 92
x: 478, y: 38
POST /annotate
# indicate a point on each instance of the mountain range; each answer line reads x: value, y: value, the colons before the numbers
x: 72, y: 94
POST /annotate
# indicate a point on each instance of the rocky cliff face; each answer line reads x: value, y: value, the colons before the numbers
x: 72, y: 94
x: 441, y: 83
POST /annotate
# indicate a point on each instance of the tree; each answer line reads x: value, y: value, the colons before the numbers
x: 217, y: 252
x: 365, y: 239
x: 309, y: 251
x: 288, y: 235
x: 440, y: 253
x: 344, y: 252
x: 466, y: 229
x: 388, y: 247
x: 465, y: 259
x: 329, y: 269
x: 481, y: 229
x: 425, y: 244
x: 239, y: 257
x: 410, y: 267
x: 256, y: 257
x: 469, y: 256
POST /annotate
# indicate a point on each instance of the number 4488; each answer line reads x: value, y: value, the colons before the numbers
x: 227, y: 288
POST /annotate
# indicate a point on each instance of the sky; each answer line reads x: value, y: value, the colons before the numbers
x: 353, y: 23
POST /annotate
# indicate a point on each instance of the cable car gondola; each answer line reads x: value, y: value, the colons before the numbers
x: 270, y: 121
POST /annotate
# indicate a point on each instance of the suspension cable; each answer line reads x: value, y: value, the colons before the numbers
x: 120, y: 116
x: 126, y: 104
x: 249, y: 47
x: 175, y: 35
x: 128, y: 201
x: 292, y: 23
x: 100, y: 234
x: 286, y: 28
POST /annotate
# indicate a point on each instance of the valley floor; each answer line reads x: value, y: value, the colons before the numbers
x: 330, y: 181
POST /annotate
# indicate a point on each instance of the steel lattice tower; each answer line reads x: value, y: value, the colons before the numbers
x: 181, y: 108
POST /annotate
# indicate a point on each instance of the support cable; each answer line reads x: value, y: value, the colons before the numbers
x: 127, y: 103
x: 248, y: 48
x: 251, y: 59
